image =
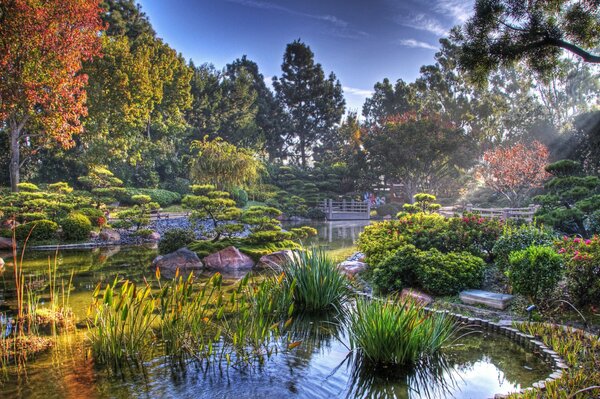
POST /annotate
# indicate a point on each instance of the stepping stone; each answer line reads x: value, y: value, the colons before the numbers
x: 490, y: 299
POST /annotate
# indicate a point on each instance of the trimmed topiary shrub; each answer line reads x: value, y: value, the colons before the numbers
x: 28, y: 187
x: 162, y: 197
x: 518, y: 238
x: 315, y: 214
x: 240, y: 196
x: 431, y: 270
x: 40, y: 230
x: 534, y: 271
x: 174, y: 239
x: 76, y: 227
x: 95, y: 215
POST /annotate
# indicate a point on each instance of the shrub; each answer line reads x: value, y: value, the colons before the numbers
x: 431, y: 270
x: 582, y: 268
x: 40, y: 230
x: 174, y: 239
x: 76, y: 227
x: 300, y: 233
x: 60, y: 187
x: 518, y: 238
x: 534, y: 271
x: 315, y: 214
x: 95, y: 215
x: 240, y: 196
x: 162, y: 197
x: 397, y: 333
x: 178, y: 185
x: 319, y: 285
x: 387, y: 209
x: 27, y: 187
x: 423, y: 203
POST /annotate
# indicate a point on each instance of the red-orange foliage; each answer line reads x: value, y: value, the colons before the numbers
x: 42, y: 47
x: 514, y: 170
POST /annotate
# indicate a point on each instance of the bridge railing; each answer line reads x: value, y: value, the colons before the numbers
x: 526, y: 213
x: 341, y: 210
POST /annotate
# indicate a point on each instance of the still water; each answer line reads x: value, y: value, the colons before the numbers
x: 476, y: 366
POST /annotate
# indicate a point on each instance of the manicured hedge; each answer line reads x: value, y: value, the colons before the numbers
x: 163, y: 197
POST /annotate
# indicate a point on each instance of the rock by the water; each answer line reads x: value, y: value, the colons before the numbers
x: 352, y: 267
x: 94, y: 235
x: 275, y: 260
x: 228, y: 259
x: 1, y: 263
x: 154, y: 236
x: 491, y: 299
x: 182, y: 259
x: 5, y: 243
x: 110, y: 235
x: 420, y: 297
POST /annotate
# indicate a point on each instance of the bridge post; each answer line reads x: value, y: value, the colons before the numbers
x: 329, y: 209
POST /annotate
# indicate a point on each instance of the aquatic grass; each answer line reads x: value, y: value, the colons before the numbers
x: 318, y: 283
x: 397, y: 332
x: 120, y: 329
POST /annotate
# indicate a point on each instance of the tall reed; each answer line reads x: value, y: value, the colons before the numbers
x: 397, y: 332
x: 319, y: 285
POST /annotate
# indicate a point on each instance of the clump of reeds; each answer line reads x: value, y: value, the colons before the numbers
x: 319, y: 285
x: 398, y: 332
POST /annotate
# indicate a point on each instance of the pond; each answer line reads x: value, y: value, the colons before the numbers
x: 477, y: 365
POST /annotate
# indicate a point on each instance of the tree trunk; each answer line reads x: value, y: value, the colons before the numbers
x: 303, y: 150
x: 15, y: 160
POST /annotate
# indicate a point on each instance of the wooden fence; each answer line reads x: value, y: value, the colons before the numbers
x: 346, y: 210
x: 500, y: 213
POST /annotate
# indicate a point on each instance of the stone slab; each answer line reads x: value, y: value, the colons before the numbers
x: 490, y: 299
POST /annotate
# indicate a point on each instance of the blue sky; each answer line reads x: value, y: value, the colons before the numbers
x: 361, y: 41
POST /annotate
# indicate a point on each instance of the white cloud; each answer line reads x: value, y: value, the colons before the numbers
x: 357, y: 92
x: 416, y: 44
x: 340, y: 23
x: 459, y: 10
x: 422, y: 22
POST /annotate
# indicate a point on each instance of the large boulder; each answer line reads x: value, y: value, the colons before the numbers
x: 154, y: 237
x: 5, y: 243
x: 229, y: 259
x: 275, y: 260
x: 110, y: 235
x: 183, y: 259
x: 352, y: 267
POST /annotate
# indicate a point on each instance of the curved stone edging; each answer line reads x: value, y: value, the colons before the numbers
x: 526, y: 340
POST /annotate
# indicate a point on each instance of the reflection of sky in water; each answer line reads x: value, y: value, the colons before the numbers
x: 479, y: 379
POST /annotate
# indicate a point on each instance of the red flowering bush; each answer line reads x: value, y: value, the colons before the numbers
x: 582, y: 260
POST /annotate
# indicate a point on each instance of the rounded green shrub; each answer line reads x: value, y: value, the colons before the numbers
x: 76, y: 227
x: 240, y: 196
x: 174, y: 239
x: 397, y: 270
x: 162, y: 197
x: 534, y: 271
x: 518, y: 238
x: 387, y: 209
x: 315, y: 214
x: 95, y: 215
x: 27, y: 187
x: 40, y: 230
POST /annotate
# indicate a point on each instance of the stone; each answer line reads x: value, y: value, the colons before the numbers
x: 154, y: 236
x: 94, y: 235
x: 110, y: 235
x: 183, y: 259
x: 352, y: 267
x: 2, y: 263
x: 5, y: 243
x: 490, y: 299
x: 420, y: 297
x: 275, y: 260
x: 229, y: 259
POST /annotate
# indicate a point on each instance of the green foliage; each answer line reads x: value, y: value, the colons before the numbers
x: 516, y: 238
x: 318, y: 283
x: 162, y: 197
x: 300, y: 233
x: 76, y: 227
x: 208, y: 203
x: 240, y: 196
x: 60, y: 187
x: 570, y: 199
x: 389, y: 209
x: 397, y: 332
x: 103, y: 184
x: 37, y: 231
x: 174, y: 239
x: 424, y: 203
x: 535, y: 271
x: 435, y: 272
x: 581, y: 258
x: 28, y: 187
x: 95, y: 215
x: 315, y: 214
x: 137, y: 216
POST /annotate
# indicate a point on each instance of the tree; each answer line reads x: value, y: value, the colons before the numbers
x: 503, y: 32
x: 223, y: 165
x: 42, y: 95
x: 138, y: 215
x: 514, y: 171
x: 420, y: 151
x: 571, y: 202
x: 103, y: 184
x: 314, y: 103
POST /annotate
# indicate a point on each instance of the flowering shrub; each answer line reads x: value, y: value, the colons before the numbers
x: 582, y: 260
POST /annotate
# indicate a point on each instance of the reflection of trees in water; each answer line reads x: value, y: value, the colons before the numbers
x: 506, y: 355
x: 431, y: 378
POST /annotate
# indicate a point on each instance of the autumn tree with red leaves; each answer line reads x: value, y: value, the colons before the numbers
x: 514, y: 171
x: 42, y: 92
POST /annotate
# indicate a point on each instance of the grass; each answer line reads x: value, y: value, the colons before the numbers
x: 397, y: 332
x: 319, y: 285
x: 581, y: 353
